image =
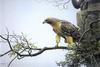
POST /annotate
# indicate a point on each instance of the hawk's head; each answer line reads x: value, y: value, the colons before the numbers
x: 51, y: 21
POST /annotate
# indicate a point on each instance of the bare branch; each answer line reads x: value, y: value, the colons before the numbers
x: 41, y: 50
x: 3, y: 37
x: 22, y: 41
x: 9, y: 44
x: 5, y: 53
x: 7, y: 39
x: 11, y: 61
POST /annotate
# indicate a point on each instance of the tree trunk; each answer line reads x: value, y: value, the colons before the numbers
x: 88, y: 19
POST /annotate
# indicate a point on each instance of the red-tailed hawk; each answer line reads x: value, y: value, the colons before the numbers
x: 63, y: 29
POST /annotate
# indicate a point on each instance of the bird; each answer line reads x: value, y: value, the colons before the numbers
x: 63, y: 29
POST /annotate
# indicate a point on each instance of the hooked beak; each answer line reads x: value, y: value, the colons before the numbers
x: 44, y: 22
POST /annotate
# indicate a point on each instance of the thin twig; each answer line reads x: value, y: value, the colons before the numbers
x: 5, y: 53
x: 7, y: 39
x: 64, y: 5
x: 14, y: 59
x: 9, y: 44
x: 11, y: 61
x: 2, y: 37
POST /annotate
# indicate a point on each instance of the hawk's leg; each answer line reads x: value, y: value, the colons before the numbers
x: 57, y: 40
x: 69, y: 40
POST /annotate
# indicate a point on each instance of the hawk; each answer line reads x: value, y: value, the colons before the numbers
x: 63, y: 29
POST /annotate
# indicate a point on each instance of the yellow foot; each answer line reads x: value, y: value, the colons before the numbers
x: 70, y: 46
x: 56, y: 46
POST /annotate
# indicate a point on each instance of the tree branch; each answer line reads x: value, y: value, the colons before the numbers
x: 7, y: 39
x: 2, y: 37
x: 5, y: 53
x: 25, y: 45
x: 41, y: 50
x: 11, y: 61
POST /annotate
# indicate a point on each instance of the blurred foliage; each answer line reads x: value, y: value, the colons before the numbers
x: 81, y: 55
x: 21, y: 43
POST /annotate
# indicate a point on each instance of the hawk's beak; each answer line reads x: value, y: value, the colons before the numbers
x: 44, y: 22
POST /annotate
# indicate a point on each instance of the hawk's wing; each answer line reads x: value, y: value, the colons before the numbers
x: 68, y: 28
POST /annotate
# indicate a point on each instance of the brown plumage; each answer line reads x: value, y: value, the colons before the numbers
x: 64, y: 29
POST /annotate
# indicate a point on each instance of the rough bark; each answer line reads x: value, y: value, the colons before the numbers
x: 88, y: 19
